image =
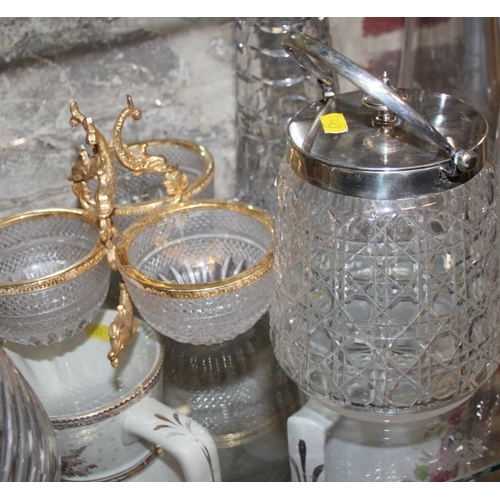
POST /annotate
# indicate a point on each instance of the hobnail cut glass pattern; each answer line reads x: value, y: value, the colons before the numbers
x: 212, y: 243
x: 228, y: 388
x: 33, y: 249
x: 387, y: 307
x: 270, y: 88
x: 28, y: 445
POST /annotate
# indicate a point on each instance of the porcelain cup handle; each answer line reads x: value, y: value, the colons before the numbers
x: 307, y: 431
x: 186, y: 440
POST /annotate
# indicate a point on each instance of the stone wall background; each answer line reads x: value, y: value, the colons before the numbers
x: 179, y: 71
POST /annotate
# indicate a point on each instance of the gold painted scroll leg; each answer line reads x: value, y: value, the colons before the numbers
x: 123, y: 326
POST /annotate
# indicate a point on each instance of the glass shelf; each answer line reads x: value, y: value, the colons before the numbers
x: 239, y: 393
x: 235, y: 389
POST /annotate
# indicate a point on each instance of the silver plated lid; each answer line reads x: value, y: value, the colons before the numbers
x: 399, y: 144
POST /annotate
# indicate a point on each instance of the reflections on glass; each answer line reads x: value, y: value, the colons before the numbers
x: 28, y: 446
x: 237, y: 391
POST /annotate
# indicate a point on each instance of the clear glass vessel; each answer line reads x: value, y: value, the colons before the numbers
x: 237, y: 391
x: 200, y: 272
x: 54, y: 276
x: 387, y: 306
x: 386, y: 250
x: 138, y: 195
x: 28, y: 445
x: 459, y: 56
x: 270, y: 88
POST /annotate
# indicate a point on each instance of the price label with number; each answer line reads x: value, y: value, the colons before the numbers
x: 97, y: 331
x: 334, y: 123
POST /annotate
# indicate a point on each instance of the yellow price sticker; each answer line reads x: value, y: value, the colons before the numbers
x: 97, y: 331
x: 334, y: 123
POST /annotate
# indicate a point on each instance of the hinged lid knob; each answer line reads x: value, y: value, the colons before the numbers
x: 313, y: 55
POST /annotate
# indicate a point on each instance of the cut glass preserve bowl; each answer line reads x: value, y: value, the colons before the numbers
x: 200, y: 272
x: 53, y: 275
x: 138, y: 195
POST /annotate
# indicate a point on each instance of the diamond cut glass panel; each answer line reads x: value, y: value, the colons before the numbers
x: 393, y: 305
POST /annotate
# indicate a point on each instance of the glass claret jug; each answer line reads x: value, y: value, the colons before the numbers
x: 386, y: 246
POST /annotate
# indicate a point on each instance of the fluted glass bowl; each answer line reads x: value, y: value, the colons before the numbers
x: 200, y: 272
x: 53, y: 275
x: 28, y: 445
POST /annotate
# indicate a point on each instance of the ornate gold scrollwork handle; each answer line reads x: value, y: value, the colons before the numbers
x: 141, y: 161
x: 101, y: 168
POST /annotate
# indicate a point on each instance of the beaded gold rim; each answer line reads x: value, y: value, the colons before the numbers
x: 194, y: 188
x: 68, y: 273
x: 199, y: 290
